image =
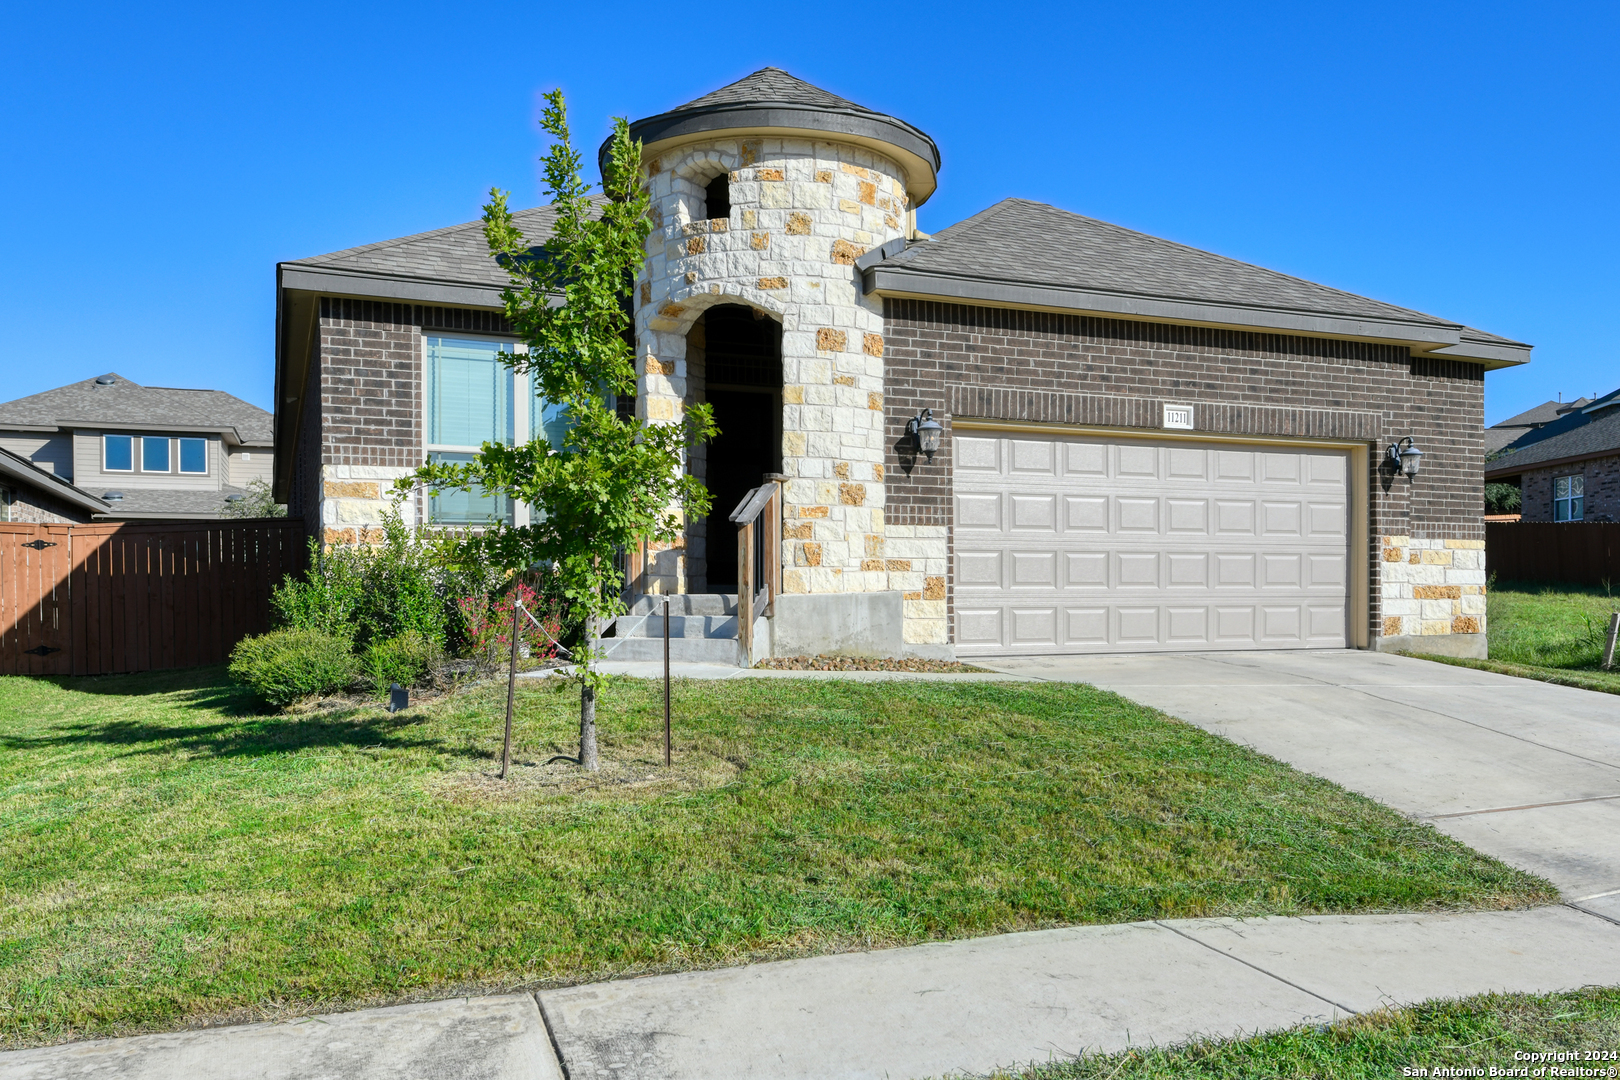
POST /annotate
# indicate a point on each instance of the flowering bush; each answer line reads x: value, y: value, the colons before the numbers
x: 487, y: 624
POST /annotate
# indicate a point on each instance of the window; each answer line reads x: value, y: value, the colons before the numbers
x: 1569, y: 498
x: 193, y: 455
x: 717, y: 198
x: 470, y: 402
x: 548, y: 420
x: 117, y: 453
x: 5, y: 504
x: 154, y: 453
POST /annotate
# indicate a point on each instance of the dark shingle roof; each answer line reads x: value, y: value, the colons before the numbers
x: 773, y: 86
x: 457, y: 254
x: 143, y: 502
x: 19, y: 468
x: 1545, y: 413
x: 1017, y: 240
x: 1575, y: 434
x: 128, y: 403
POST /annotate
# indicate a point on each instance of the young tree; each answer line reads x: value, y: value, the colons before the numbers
x: 613, y: 482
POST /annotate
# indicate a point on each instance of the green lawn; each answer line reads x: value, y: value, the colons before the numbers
x: 1471, y: 1033
x: 1554, y: 633
x: 172, y: 854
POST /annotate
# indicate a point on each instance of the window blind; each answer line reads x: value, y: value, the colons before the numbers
x: 469, y: 393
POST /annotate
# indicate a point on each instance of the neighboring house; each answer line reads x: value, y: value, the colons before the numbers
x: 1146, y: 446
x: 1569, y: 469
x: 1499, y: 437
x: 135, y: 451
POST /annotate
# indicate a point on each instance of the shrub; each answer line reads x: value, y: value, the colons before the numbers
x: 488, y: 625
x: 285, y: 665
x: 406, y: 660
x: 377, y: 592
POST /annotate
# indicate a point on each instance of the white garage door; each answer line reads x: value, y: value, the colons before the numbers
x: 1071, y: 544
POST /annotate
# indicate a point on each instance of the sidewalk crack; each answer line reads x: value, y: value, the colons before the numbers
x: 1257, y: 967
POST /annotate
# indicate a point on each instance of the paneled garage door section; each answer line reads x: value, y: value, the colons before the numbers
x: 1081, y: 544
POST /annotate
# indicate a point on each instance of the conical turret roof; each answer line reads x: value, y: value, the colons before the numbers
x: 771, y: 101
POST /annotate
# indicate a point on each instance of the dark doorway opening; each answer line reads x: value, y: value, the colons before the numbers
x: 743, y: 354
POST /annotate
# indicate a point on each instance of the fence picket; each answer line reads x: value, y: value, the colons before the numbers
x: 1576, y: 552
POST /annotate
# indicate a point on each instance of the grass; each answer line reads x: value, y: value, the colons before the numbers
x: 1470, y: 1033
x: 1554, y: 633
x: 170, y: 854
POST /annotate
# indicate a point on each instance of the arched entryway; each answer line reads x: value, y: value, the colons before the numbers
x: 734, y: 362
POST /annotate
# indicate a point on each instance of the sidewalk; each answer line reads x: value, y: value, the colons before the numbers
x: 929, y: 1010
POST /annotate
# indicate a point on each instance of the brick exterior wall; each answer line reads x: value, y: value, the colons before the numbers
x: 1602, y: 487
x: 1042, y: 367
x: 363, y: 408
x: 30, y: 504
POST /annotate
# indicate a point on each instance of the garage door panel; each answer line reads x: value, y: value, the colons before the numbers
x: 1188, y: 464
x: 1137, y: 625
x: 1037, y: 512
x: 1187, y: 516
x: 974, y: 453
x: 979, y: 626
x: 1084, y: 459
x: 1091, y: 544
x: 1188, y: 569
x: 1033, y: 626
x: 1085, y: 513
x: 1085, y: 626
x: 1140, y: 462
x: 978, y: 510
x: 1027, y: 456
x: 978, y: 569
x: 1086, y: 569
x: 1136, y: 515
x: 1034, y: 568
x: 1136, y: 568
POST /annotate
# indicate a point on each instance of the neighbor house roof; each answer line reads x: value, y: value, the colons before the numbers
x: 20, y: 470
x: 772, y: 102
x: 1589, y: 432
x: 1506, y: 432
x: 139, y: 502
x: 113, y: 401
x: 1028, y: 254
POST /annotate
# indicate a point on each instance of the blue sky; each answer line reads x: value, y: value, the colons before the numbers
x: 1459, y: 159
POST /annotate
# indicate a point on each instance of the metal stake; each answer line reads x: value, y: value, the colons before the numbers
x: 511, y: 681
x: 1608, y: 648
x: 666, y: 677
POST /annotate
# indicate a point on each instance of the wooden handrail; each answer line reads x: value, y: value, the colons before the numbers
x: 755, y: 597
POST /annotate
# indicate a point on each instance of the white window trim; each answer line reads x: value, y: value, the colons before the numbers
x: 1567, y: 500
x: 179, y: 460
x: 517, y: 513
x: 133, y: 459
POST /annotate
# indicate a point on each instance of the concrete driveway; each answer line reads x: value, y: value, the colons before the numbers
x: 1526, y: 771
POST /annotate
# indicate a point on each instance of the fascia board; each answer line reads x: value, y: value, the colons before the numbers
x: 1492, y: 354
x: 1507, y: 467
x: 330, y: 282
x: 894, y: 282
x: 31, y: 429
x: 227, y: 433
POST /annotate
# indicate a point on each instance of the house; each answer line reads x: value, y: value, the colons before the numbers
x: 1144, y: 446
x: 1567, y: 469
x: 1500, y: 436
x: 107, y: 448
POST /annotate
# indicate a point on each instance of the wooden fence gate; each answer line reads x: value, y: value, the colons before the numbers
x: 119, y: 597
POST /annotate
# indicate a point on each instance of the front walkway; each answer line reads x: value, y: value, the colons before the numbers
x: 1527, y: 771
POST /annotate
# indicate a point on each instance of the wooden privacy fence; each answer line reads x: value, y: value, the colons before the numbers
x: 1577, y: 552
x: 104, y: 598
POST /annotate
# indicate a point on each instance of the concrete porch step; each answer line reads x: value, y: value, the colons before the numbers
x: 684, y: 650
x: 687, y: 604
x: 680, y: 626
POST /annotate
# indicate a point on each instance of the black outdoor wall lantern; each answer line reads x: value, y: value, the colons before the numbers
x: 1406, y: 456
x: 926, y: 431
